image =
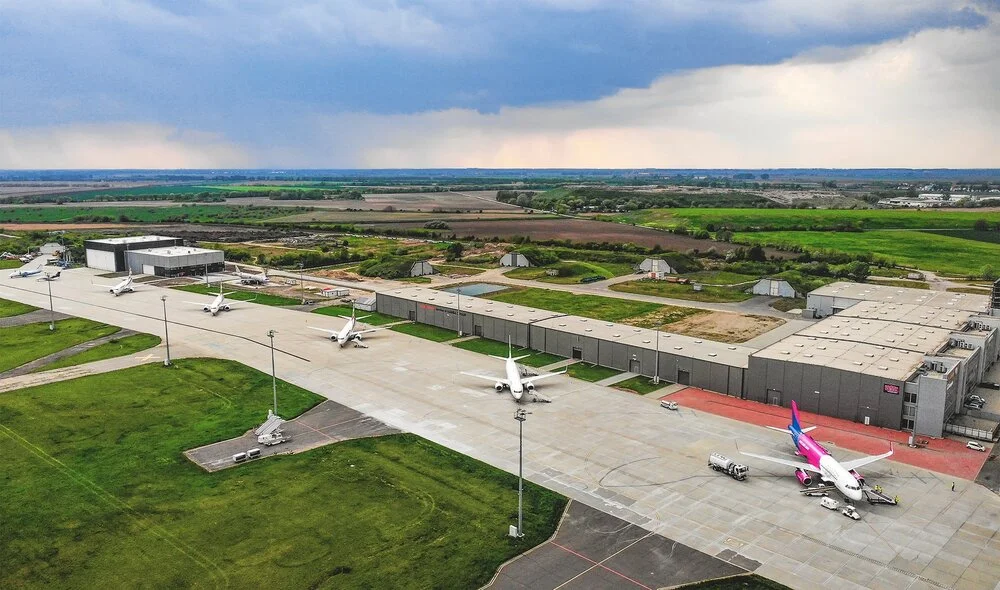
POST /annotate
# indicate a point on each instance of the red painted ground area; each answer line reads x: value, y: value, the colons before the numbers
x: 942, y: 455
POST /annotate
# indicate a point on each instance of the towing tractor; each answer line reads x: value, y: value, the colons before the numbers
x: 726, y: 465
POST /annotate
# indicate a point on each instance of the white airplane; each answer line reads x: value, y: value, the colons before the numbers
x: 251, y: 279
x: 26, y: 272
x: 514, y: 382
x: 840, y: 475
x: 218, y: 304
x: 51, y: 277
x: 124, y: 286
x: 348, y: 333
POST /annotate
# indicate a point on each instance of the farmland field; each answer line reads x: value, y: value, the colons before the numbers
x: 185, y: 213
x: 97, y: 494
x: 925, y: 250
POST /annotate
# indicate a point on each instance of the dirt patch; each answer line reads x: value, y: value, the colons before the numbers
x: 664, y: 316
x: 723, y: 326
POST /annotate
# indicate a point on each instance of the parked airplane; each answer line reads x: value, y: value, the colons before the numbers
x: 514, y: 382
x: 348, y: 333
x: 251, y: 279
x: 218, y: 304
x: 51, y: 277
x: 124, y: 286
x: 26, y: 272
x: 835, y: 474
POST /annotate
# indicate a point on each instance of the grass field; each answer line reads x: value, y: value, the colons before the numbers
x: 373, y: 318
x: 124, y: 508
x: 114, y: 348
x: 23, y: 344
x: 929, y: 251
x: 454, y: 269
x: 12, y: 308
x: 721, y: 277
x: 484, y: 346
x: 899, y: 283
x: 179, y: 213
x: 589, y: 372
x: 9, y: 264
x: 426, y: 332
x: 571, y: 272
x: 785, y: 304
x: 679, y: 291
x: 641, y: 385
x: 238, y: 294
x: 591, y: 306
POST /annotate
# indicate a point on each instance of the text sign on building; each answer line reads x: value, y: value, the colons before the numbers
x: 890, y: 388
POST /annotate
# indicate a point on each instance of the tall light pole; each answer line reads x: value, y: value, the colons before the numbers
x: 656, y: 363
x: 459, y: 291
x: 520, y: 416
x: 302, y: 283
x: 274, y: 379
x: 166, y: 333
x: 52, y: 311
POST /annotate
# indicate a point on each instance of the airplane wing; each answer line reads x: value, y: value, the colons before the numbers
x: 330, y: 332
x: 487, y: 378
x: 794, y: 464
x: 543, y: 376
x: 368, y: 330
x: 103, y: 286
x: 849, y: 465
x: 202, y: 304
x: 785, y: 430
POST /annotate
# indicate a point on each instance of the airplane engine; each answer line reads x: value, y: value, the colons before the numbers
x: 205, y: 309
x: 357, y: 337
x: 858, y: 476
x: 529, y: 386
x: 225, y: 308
x: 498, y: 387
x: 803, y: 477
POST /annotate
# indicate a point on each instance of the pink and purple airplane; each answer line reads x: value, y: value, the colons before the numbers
x: 834, y: 474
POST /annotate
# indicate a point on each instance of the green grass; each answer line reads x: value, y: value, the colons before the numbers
x: 899, y: 283
x: 373, y: 318
x: 592, y: 306
x: 453, y: 269
x: 114, y: 348
x: 571, y: 272
x: 590, y: 372
x: 787, y: 304
x: 641, y: 385
x: 679, y: 291
x: 970, y: 290
x: 721, y: 277
x: 415, y: 280
x: 9, y: 264
x: 11, y: 308
x: 484, y: 346
x: 23, y: 344
x: 426, y: 332
x: 924, y: 250
x: 178, y: 213
x: 238, y: 294
x: 97, y: 494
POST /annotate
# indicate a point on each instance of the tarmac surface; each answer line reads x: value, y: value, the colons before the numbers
x: 593, y: 549
x: 613, y: 451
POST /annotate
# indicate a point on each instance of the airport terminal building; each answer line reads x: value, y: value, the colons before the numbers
x: 109, y: 253
x: 152, y: 255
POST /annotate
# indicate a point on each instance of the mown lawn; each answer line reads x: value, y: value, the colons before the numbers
x: 23, y: 344
x: 641, y: 385
x: 484, y: 346
x: 239, y: 294
x: 114, y: 348
x: 590, y: 372
x: 592, y: 306
x: 453, y: 269
x: 571, y: 272
x: 12, y: 308
x: 372, y: 318
x: 97, y: 494
x: 678, y: 291
x: 9, y: 264
x: 721, y: 277
x: 426, y: 332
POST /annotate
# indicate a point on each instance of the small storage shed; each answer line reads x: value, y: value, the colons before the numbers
x: 514, y: 259
x: 655, y: 268
x: 773, y: 288
x: 421, y: 268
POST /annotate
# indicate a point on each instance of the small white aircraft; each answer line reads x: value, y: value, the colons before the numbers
x: 218, y: 304
x: 51, y: 277
x: 124, y: 286
x: 251, y: 279
x: 26, y: 272
x: 514, y: 382
x: 348, y: 333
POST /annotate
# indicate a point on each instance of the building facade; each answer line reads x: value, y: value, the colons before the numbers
x: 175, y: 261
x: 109, y: 253
x: 514, y: 259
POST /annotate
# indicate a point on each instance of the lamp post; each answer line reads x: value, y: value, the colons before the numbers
x: 52, y: 311
x: 274, y: 379
x: 166, y: 333
x: 459, y: 291
x: 302, y: 283
x: 520, y: 416
x: 656, y: 362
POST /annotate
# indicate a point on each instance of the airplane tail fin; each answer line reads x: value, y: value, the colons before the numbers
x: 510, y: 348
x: 795, y: 417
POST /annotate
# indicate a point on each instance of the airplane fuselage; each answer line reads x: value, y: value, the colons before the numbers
x: 344, y: 336
x: 25, y: 273
x: 829, y: 469
x: 514, y: 378
x: 216, y: 305
x: 122, y: 287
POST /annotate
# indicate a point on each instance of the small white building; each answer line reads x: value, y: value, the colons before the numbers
x: 654, y: 268
x: 50, y: 249
x: 335, y: 292
x: 514, y: 259
x: 421, y: 268
x: 365, y: 303
x: 774, y: 288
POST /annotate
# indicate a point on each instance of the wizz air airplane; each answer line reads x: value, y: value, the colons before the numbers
x: 835, y: 474
x: 251, y: 279
x: 514, y: 382
x: 348, y: 333
x: 125, y: 286
x: 218, y: 304
x: 26, y: 272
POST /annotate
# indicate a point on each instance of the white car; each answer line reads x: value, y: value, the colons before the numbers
x: 829, y: 503
x: 850, y: 512
x: 668, y: 405
x: 975, y: 446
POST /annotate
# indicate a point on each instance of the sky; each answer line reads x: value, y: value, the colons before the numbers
x: 499, y: 83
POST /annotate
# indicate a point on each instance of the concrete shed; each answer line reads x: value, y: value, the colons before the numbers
x: 773, y: 288
x: 421, y: 268
x: 514, y: 259
x: 655, y: 268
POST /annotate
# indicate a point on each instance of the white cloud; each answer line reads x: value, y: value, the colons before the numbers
x: 116, y: 146
x: 928, y: 100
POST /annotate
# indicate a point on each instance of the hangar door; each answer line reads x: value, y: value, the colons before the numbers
x: 101, y: 259
x: 147, y: 269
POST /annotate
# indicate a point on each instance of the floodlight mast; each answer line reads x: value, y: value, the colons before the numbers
x: 166, y: 333
x: 274, y: 379
x: 520, y: 416
x: 52, y: 311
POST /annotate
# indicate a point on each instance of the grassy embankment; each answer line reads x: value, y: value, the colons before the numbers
x: 11, y: 308
x: 238, y: 294
x: 638, y: 313
x: 708, y: 293
x: 484, y: 346
x: 589, y: 372
x: 123, y: 507
x: 571, y: 272
x: 114, y: 348
x: 458, y: 269
x: 9, y: 264
x: 23, y: 344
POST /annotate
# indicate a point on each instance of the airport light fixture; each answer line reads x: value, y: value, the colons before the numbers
x: 274, y: 379
x: 656, y: 361
x: 52, y: 311
x: 520, y: 415
x: 166, y: 333
x: 302, y: 283
x: 459, y: 314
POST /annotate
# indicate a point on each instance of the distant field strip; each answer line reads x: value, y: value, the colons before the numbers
x: 872, y: 219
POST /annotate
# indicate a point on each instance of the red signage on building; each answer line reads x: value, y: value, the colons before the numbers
x: 890, y: 388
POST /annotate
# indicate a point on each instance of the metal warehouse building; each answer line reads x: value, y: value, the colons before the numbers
x: 175, y: 261
x: 836, y: 297
x: 109, y: 253
x: 690, y: 361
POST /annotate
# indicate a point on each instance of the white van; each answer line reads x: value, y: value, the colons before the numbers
x: 829, y: 503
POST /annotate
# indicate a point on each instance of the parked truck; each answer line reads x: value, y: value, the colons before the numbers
x: 728, y: 466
